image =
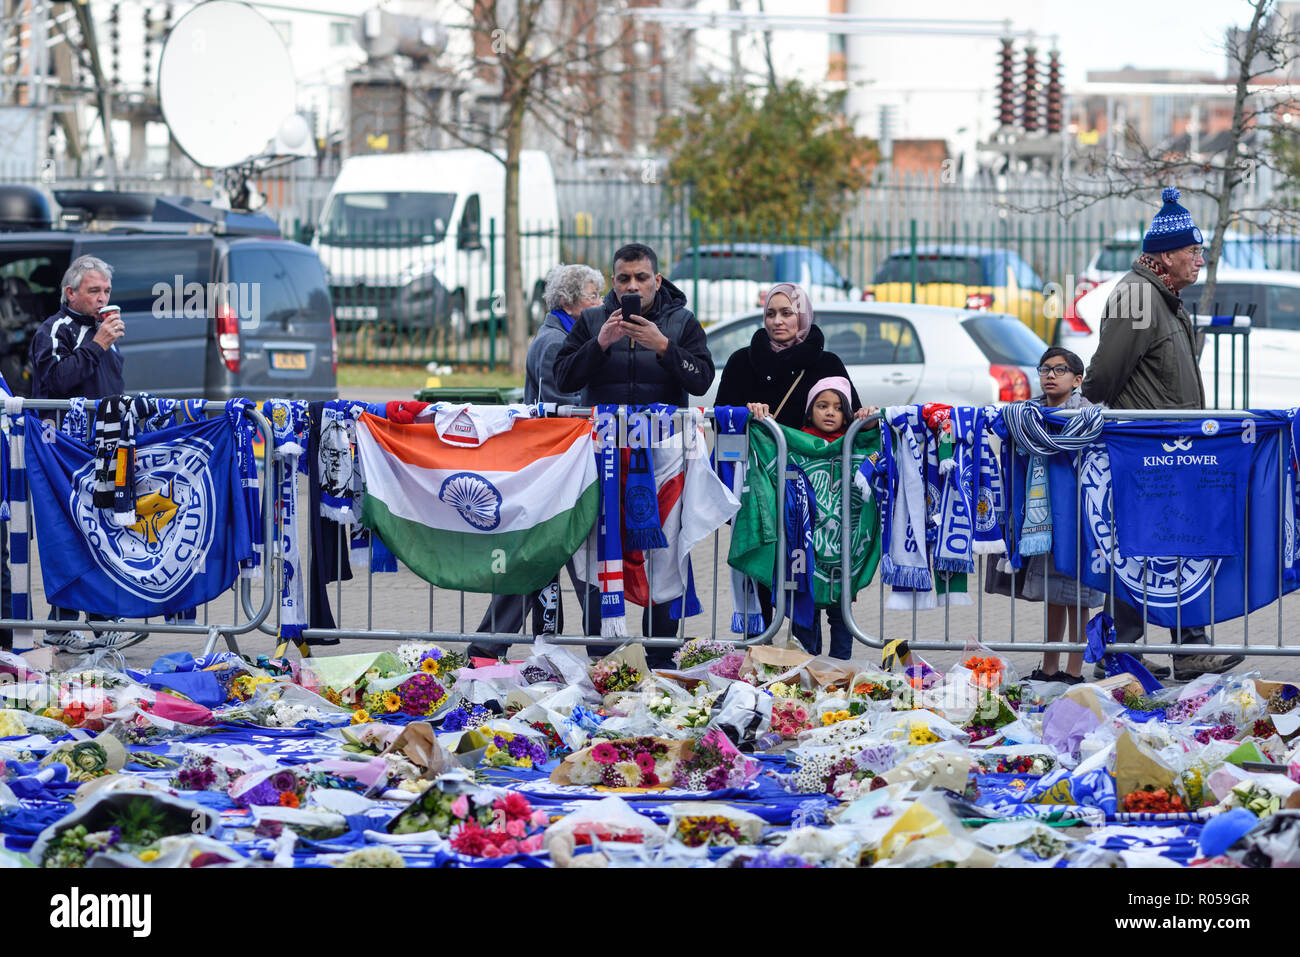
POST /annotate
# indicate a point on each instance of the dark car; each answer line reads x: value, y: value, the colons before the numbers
x: 216, y: 304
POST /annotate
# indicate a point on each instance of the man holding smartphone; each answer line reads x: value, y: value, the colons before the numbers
x: 74, y: 353
x: 641, y: 345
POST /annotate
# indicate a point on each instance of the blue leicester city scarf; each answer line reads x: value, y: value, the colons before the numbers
x: 1206, y: 589
x: 1180, y: 495
x: 190, y: 533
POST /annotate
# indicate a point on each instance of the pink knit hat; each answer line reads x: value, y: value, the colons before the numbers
x: 836, y: 383
x: 802, y: 307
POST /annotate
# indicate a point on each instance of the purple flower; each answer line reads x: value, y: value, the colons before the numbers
x: 455, y: 720
x: 284, y: 781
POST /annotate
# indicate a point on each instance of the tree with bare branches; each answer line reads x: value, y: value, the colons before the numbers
x: 547, y: 63
x: 1260, y: 57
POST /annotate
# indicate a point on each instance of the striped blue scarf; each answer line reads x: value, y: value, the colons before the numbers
x: 12, y: 425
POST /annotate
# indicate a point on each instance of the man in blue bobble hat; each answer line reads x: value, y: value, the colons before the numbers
x: 1147, y: 359
x: 1147, y: 356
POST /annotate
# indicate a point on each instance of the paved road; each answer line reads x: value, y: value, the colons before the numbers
x: 402, y: 601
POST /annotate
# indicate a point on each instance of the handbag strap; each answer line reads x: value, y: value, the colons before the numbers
x: 789, y: 393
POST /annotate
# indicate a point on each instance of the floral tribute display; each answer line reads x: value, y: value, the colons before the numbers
x: 415, y: 756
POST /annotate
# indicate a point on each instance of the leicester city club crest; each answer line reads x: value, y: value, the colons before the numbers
x: 158, y: 555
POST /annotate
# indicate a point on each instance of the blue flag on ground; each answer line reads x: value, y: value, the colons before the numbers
x: 184, y: 550
x: 1226, y: 585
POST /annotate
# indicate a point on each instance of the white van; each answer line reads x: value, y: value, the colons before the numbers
x: 418, y: 239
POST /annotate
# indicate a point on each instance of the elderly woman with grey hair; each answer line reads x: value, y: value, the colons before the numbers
x: 569, y: 290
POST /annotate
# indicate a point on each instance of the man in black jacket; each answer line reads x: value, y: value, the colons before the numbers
x: 74, y: 353
x: 659, y: 356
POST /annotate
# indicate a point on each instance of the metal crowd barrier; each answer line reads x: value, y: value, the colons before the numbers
x: 918, y: 637
x: 503, y: 639
x: 214, y: 631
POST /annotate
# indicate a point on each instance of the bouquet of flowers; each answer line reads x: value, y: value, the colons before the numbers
x: 515, y: 828
x: 714, y: 764
x: 431, y: 659
x: 698, y: 651
x: 1014, y: 764
x: 132, y: 821
x: 789, y: 717
x: 678, y: 715
x: 87, y: 760
x: 728, y: 666
x: 1254, y: 797
x: 281, y: 786
x: 446, y: 803
x: 834, y: 717
x: 466, y: 716
x: 841, y: 771
x: 1153, y: 801
x: 421, y: 694
x: 707, y: 825
x: 780, y: 689
x: 510, y: 750
x: 611, y: 676
x: 873, y: 690
x: 622, y: 763
x: 986, y: 671
x: 199, y: 772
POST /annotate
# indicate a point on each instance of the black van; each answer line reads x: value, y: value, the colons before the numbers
x: 216, y: 304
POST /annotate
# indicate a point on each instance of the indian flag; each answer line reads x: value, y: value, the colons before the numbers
x: 502, y: 517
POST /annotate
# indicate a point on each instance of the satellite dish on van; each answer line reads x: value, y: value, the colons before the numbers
x: 225, y: 83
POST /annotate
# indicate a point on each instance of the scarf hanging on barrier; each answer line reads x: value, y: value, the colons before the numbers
x: 246, y: 463
x: 692, y: 503
x: 1027, y: 427
x: 904, y: 564
x: 746, y: 609
x: 76, y: 421
x: 640, y: 495
x: 990, y: 503
x: 800, y: 566
x: 609, y: 542
x: 115, y: 458
x: 367, y: 550
x: 335, y: 463
x: 955, y: 551
x: 329, y: 548
x: 288, y: 421
x: 191, y: 410
x: 949, y: 584
x: 13, y: 425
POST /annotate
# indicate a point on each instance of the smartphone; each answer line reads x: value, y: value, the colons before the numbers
x: 630, y: 304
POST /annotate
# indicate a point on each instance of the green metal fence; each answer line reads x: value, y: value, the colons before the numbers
x: 417, y: 292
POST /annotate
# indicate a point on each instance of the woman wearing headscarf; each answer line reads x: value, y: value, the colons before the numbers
x: 786, y: 356
x: 775, y: 375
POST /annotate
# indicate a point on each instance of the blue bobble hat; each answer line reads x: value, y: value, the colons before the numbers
x: 1172, y: 227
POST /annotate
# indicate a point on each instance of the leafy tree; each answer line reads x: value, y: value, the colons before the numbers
x: 780, y: 159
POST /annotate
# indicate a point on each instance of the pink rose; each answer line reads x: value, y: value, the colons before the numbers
x: 800, y: 714
x: 541, y: 819
x: 491, y: 850
x: 460, y: 806
x: 510, y: 847
x: 516, y: 829
x: 532, y: 845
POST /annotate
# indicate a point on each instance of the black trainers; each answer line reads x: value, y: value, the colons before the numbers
x: 1066, y: 678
